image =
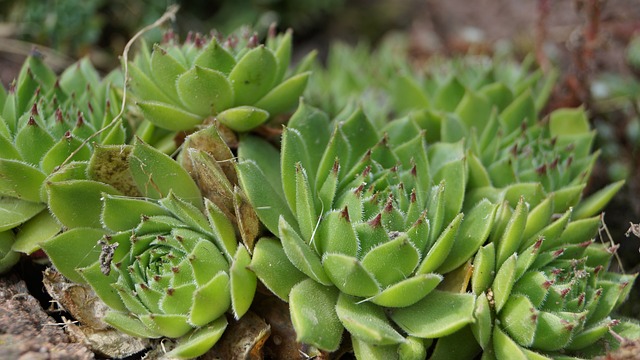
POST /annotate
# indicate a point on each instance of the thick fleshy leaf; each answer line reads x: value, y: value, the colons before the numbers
x: 284, y: 96
x: 336, y: 234
x: 366, y: 321
x: 503, y: 282
x: 169, y: 325
x: 348, y: 275
x: 365, y: 350
x: 519, y: 318
x: 270, y: 263
x: 8, y: 257
x: 166, y: 70
x: 484, y: 265
x: 222, y: 228
x: 78, y: 203
x: 199, y: 341
x: 14, y: 212
x: 215, y: 57
x: 439, y: 314
x: 282, y: 52
x: 407, y: 292
x: 300, y: 254
x: 459, y: 345
x: 156, y: 174
x: 269, y: 203
x: 511, y: 238
x: 33, y: 141
x: 120, y: 213
x: 129, y: 325
x: 167, y: 116
x: 454, y: 176
x: 505, y: 348
x: 538, y: 218
x: 68, y: 149
x: 20, y: 180
x: 204, y: 91
x: 483, y: 326
x: 441, y: 248
x: 313, y: 314
x: 243, y: 283
x: 305, y: 206
x: 211, y: 300
x: 392, y: 261
x: 593, y: 204
x: 253, y: 76
x: 474, y: 231
x: 41, y: 227
x: 564, y: 122
x: 243, y: 118
x: 553, y: 332
x: 101, y: 284
x: 83, y: 241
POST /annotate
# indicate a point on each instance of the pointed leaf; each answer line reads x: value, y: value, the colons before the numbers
x: 14, y: 212
x: 83, y: 241
x: 474, y: 231
x: 313, y: 314
x: 168, y: 116
x: 348, y: 275
x: 439, y: 314
x: 156, y: 174
x: 204, y: 91
x: 300, y: 254
x: 407, y: 292
x: 366, y: 321
x: 243, y: 118
x: 270, y: 263
x: 20, y: 180
x: 78, y: 203
x: 38, y: 229
x: 243, y: 283
x: 284, y: 96
x: 199, y: 341
x: 253, y: 76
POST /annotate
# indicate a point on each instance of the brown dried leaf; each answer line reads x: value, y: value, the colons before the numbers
x: 83, y: 304
x: 248, y: 221
x: 110, y: 165
x: 457, y: 280
x: 243, y: 340
x: 209, y: 141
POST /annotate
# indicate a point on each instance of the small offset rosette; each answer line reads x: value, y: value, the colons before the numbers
x: 236, y: 80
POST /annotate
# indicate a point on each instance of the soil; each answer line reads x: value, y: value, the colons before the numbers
x: 27, y: 331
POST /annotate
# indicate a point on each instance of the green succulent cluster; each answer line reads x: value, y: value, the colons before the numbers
x: 238, y: 81
x: 164, y: 268
x: 45, y: 120
x: 543, y: 289
x: 366, y: 228
x: 493, y: 105
x: 157, y: 238
x: 439, y: 216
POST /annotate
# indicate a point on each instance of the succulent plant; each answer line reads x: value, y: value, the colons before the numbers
x: 238, y: 81
x: 45, y: 120
x: 164, y: 268
x: 543, y: 289
x: 364, y: 229
x: 494, y: 105
x: 162, y: 257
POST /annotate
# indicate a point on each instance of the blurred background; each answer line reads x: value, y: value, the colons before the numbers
x: 594, y: 43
